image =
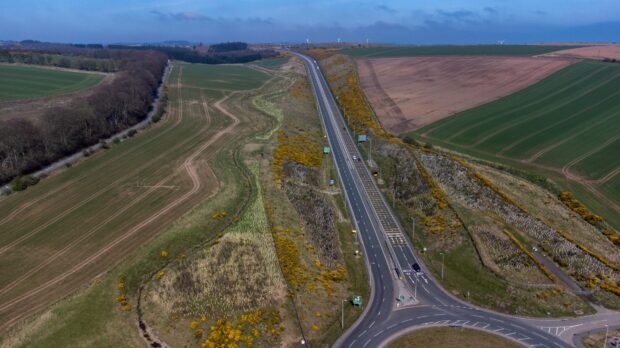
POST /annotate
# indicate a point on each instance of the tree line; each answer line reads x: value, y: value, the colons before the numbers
x: 26, y: 146
x: 225, y: 53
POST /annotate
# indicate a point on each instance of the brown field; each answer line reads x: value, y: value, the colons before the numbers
x: 410, y: 92
x: 593, y: 52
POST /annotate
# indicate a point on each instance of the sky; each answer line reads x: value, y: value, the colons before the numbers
x: 397, y: 21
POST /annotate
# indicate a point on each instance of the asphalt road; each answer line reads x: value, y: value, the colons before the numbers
x: 389, y: 257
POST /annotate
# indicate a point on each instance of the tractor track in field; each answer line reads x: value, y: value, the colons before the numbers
x: 543, y: 151
x: 536, y: 115
x: 566, y: 168
x: 522, y: 106
x: 5, y: 248
x: 548, y: 127
x: 28, y: 204
x: 95, y: 228
x: 189, y: 168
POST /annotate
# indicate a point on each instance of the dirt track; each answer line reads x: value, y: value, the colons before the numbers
x: 197, y: 184
x: 410, y: 92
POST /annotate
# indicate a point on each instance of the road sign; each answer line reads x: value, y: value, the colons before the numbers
x: 357, y: 300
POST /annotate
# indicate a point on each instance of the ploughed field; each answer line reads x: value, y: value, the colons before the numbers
x: 27, y: 82
x: 60, y: 234
x: 410, y: 92
x: 453, y: 50
x: 566, y: 126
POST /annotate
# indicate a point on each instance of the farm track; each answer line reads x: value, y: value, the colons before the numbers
x: 189, y: 169
x: 14, y: 309
x: 103, y: 164
x: 3, y: 249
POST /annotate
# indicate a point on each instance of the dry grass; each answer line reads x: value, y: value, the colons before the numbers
x: 447, y: 337
x: 550, y: 209
x: 238, y: 273
x: 596, y: 340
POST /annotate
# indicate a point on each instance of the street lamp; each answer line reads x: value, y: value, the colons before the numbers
x: 606, y: 332
x: 370, y: 150
x: 412, y: 229
x: 342, y: 317
x: 442, y: 262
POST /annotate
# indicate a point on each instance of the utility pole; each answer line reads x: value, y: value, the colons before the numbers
x: 415, y: 290
x: 442, y: 261
x: 412, y: 229
x: 606, y: 333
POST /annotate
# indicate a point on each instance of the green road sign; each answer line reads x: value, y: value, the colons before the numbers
x: 357, y: 300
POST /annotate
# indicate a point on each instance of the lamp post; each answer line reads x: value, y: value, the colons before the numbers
x: 412, y: 229
x: 442, y: 262
x: 342, y: 315
x: 370, y: 150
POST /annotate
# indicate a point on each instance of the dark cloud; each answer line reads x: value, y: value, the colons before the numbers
x: 182, y: 16
x: 456, y: 17
x: 386, y: 9
x: 491, y: 11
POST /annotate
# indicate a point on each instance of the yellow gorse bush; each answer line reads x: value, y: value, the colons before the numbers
x: 250, y: 327
x: 300, y: 149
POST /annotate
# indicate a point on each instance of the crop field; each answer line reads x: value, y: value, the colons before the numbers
x: 26, y: 82
x: 565, y: 127
x: 408, y: 93
x: 450, y: 50
x: 272, y: 63
x: 214, y: 77
x: 62, y: 233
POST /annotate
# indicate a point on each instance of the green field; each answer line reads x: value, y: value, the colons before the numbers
x: 57, y: 236
x: 222, y: 77
x: 452, y: 50
x: 271, y: 63
x: 566, y: 127
x: 26, y: 82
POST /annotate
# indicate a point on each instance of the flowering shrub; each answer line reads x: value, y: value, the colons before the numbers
x: 299, y: 149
